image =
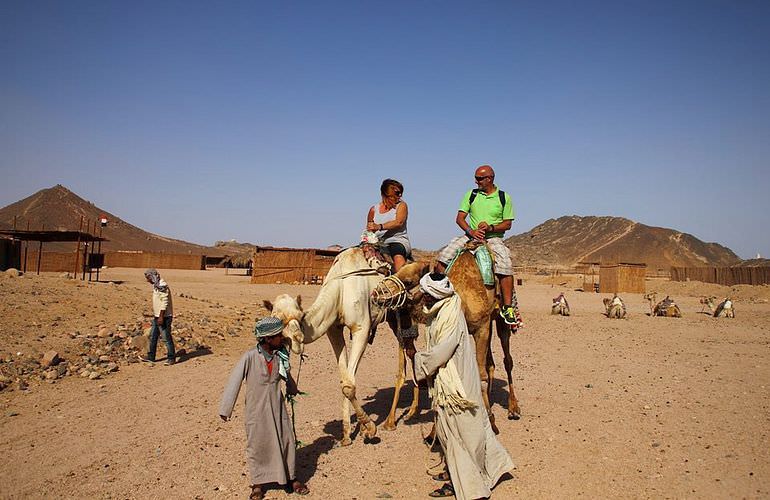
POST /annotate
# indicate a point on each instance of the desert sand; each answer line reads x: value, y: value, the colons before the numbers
x: 636, y: 408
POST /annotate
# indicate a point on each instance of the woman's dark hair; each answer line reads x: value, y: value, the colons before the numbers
x: 388, y: 183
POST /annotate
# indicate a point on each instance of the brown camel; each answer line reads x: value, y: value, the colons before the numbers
x: 481, y: 309
x: 667, y: 308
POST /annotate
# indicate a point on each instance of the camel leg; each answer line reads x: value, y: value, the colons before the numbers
x: 390, y: 422
x: 491, y: 378
x: 338, y: 344
x: 504, y: 332
x: 482, y: 359
x: 360, y: 337
x: 409, y: 346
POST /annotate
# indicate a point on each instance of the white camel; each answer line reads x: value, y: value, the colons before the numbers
x: 343, y: 301
x: 560, y: 305
x: 724, y: 309
x: 615, y: 307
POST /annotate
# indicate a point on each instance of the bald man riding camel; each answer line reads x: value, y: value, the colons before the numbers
x: 491, y: 213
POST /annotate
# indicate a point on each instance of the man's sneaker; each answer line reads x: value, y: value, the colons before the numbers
x: 509, y: 315
x: 169, y: 362
x: 146, y: 359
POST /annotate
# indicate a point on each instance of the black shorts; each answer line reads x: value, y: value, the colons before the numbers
x: 397, y: 249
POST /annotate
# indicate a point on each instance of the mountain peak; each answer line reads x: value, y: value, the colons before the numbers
x: 58, y: 208
x: 571, y: 239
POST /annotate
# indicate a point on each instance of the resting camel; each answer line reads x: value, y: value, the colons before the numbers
x: 480, y: 307
x: 724, y: 309
x: 615, y: 307
x: 560, y: 305
x: 343, y: 301
x: 668, y: 308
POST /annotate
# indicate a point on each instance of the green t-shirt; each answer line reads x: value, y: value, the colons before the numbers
x: 487, y: 208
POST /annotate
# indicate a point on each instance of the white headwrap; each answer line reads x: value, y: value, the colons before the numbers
x: 437, y: 285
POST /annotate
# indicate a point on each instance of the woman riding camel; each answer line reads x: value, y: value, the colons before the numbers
x: 387, y: 220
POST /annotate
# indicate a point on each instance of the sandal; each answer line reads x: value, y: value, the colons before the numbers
x: 444, y: 491
x: 256, y: 492
x: 299, y: 488
x: 441, y: 476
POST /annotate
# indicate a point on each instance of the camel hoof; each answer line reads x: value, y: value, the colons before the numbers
x: 389, y: 426
x: 370, y: 430
x: 414, y: 410
x: 346, y: 441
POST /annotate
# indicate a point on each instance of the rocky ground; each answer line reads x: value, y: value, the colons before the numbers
x: 643, y: 407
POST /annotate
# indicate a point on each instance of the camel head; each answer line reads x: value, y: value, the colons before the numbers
x: 289, y: 310
x: 411, y: 273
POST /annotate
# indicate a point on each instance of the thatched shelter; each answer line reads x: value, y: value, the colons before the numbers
x: 291, y: 265
x: 622, y: 277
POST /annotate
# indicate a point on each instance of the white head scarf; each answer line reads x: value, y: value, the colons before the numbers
x: 437, y: 285
x: 157, y: 282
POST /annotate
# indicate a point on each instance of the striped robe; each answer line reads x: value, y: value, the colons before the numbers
x: 270, y: 445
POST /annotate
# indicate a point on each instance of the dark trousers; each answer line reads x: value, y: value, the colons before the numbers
x: 165, y: 329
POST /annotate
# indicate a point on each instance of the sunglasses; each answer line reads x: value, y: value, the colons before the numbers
x: 480, y: 178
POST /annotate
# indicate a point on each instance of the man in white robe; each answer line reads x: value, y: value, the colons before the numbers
x: 475, y: 458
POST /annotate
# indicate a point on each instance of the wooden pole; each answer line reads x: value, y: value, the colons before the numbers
x: 85, y: 250
x: 26, y: 250
x: 101, y: 233
x: 40, y: 252
x: 77, y: 249
x: 39, y: 256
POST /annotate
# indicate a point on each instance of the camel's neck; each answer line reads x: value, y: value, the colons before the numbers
x: 323, y: 313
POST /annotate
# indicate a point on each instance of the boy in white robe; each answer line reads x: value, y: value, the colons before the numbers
x: 270, y: 442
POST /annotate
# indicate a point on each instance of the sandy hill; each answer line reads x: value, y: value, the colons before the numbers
x: 571, y: 239
x: 60, y: 208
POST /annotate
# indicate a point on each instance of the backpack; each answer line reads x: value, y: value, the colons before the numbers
x: 500, y: 192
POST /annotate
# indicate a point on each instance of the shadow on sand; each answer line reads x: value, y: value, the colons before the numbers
x: 378, y: 406
x: 183, y: 355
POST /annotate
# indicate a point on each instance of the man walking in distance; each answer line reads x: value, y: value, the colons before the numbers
x: 163, y: 313
x: 491, y: 214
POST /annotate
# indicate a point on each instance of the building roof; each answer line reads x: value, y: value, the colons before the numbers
x: 48, y: 236
x: 318, y: 251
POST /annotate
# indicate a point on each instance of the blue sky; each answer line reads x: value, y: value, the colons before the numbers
x: 275, y: 122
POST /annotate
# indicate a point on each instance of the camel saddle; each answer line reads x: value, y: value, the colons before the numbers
x: 378, y: 260
x: 483, y: 257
